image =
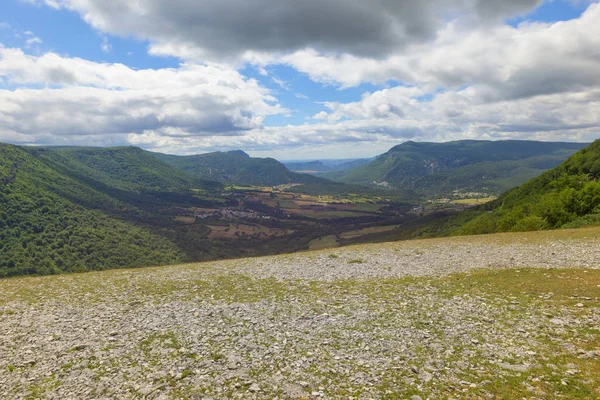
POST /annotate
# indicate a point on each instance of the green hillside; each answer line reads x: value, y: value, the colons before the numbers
x: 126, y: 168
x: 78, y: 209
x: 237, y: 167
x: 469, y: 165
x: 566, y: 196
x: 44, y: 228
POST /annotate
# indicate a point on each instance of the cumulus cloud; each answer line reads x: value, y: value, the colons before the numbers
x: 231, y: 29
x: 512, y: 62
x: 385, y: 118
x: 461, y: 114
x: 63, y: 99
x: 458, y: 69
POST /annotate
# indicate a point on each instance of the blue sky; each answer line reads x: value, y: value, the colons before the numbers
x: 64, y: 32
x: 315, y: 96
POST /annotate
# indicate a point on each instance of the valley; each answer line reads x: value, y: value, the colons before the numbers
x: 75, y: 209
x: 291, y: 286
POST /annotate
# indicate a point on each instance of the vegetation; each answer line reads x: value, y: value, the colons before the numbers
x: 43, y: 232
x: 77, y: 209
x: 237, y: 167
x: 468, y: 166
x: 124, y: 168
x: 567, y: 196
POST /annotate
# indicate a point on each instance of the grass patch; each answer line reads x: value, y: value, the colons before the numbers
x: 357, y: 261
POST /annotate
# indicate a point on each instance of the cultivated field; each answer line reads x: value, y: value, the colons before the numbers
x: 232, y: 231
x: 507, y: 316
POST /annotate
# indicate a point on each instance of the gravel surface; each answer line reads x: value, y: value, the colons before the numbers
x: 365, y: 322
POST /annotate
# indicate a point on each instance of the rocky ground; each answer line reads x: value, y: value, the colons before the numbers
x: 502, y: 316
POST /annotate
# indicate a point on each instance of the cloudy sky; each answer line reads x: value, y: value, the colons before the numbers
x: 297, y: 79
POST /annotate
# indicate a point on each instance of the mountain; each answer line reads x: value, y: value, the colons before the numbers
x: 126, y: 168
x: 468, y: 165
x: 307, y: 167
x: 566, y: 196
x: 72, y: 209
x: 320, y: 167
x: 51, y: 222
x: 237, y: 167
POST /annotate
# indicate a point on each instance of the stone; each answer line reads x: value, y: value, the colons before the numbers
x: 254, y: 387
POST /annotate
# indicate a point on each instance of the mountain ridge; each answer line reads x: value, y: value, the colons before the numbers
x: 414, y: 165
x: 237, y: 167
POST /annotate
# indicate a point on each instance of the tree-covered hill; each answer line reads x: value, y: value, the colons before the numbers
x: 46, y: 227
x: 126, y: 168
x: 469, y: 165
x: 78, y: 209
x: 237, y: 167
x: 566, y: 196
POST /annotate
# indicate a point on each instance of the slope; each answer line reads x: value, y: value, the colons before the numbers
x: 43, y: 231
x: 419, y: 319
x: 126, y: 168
x: 566, y: 196
x: 466, y: 165
x: 237, y: 167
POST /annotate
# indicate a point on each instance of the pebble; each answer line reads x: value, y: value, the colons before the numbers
x: 254, y: 387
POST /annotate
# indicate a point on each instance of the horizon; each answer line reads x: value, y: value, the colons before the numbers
x: 335, y: 82
x: 284, y: 160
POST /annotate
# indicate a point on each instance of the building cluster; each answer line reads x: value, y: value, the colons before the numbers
x: 230, y: 213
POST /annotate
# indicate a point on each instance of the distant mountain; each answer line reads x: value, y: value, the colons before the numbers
x: 469, y: 165
x: 321, y: 167
x: 237, y: 167
x: 307, y: 167
x: 566, y: 196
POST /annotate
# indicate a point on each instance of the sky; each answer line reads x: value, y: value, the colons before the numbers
x: 311, y: 79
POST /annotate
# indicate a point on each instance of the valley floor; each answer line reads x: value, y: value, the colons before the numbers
x: 500, y: 316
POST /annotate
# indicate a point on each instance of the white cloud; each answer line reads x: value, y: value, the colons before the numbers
x: 481, y: 77
x: 109, y: 102
x: 281, y: 83
x: 105, y: 46
x: 534, y: 58
x: 220, y: 30
x: 32, y: 41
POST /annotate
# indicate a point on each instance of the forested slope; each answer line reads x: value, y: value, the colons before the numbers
x: 566, y: 196
x: 42, y: 230
x: 237, y: 167
x: 126, y: 168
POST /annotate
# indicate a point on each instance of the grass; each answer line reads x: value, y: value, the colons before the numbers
x: 326, y: 242
x: 99, y: 285
x: 356, y: 261
x: 388, y: 302
x: 367, y: 231
x: 471, y: 202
